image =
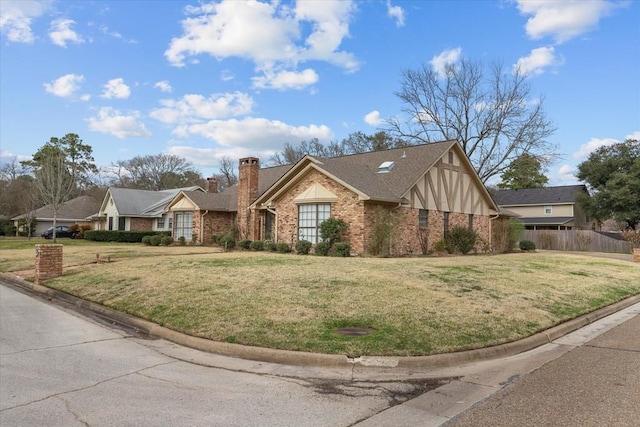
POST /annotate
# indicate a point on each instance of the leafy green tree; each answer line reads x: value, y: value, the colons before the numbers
x: 524, y: 172
x: 77, y: 156
x: 613, y: 176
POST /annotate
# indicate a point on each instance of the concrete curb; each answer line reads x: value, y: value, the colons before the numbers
x: 295, y: 358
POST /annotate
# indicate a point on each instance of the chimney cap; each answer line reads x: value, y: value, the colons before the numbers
x: 249, y: 161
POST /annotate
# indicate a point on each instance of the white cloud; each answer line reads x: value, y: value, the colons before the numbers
x: 227, y: 75
x: 116, y: 88
x: 592, y: 145
x: 210, y: 157
x: 16, y: 17
x: 196, y: 108
x: 164, y: 86
x: 61, y: 32
x: 286, y: 79
x: 255, y: 134
x: 373, y: 118
x: 274, y: 36
x: 115, y: 123
x: 396, y: 12
x: 8, y: 157
x: 635, y: 135
x: 446, y: 57
x: 563, y: 20
x: 64, y: 86
x: 564, y: 175
x: 537, y: 61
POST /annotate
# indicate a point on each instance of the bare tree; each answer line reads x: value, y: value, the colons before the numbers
x: 55, y: 182
x: 493, y: 116
x: 156, y: 172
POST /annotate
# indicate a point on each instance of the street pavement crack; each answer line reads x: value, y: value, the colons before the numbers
x: 62, y: 393
x: 68, y: 407
x: 61, y: 346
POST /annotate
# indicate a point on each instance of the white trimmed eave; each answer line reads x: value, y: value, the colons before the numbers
x: 295, y: 177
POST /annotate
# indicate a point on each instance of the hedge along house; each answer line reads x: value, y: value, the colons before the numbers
x: 430, y: 188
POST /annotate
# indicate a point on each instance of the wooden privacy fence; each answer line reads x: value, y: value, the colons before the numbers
x: 576, y: 240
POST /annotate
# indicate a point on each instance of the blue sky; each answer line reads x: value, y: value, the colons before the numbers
x: 204, y: 79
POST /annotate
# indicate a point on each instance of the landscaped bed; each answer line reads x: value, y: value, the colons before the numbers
x: 414, y: 306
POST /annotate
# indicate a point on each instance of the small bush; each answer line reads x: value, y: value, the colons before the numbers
x: 146, y: 240
x: 155, y: 240
x: 462, y: 239
x: 257, y: 245
x: 120, y: 236
x: 303, y: 247
x: 182, y: 241
x: 342, y: 249
x: 271, y: 246
x: 227, y: 241
x: 331, y: 229
x: 166, y: 240
x: 527, y: 245
x: 244, y: 244
x: 323, y: 248
x: 215, y: 239
x: 283, y: 248
x: 440, y: 246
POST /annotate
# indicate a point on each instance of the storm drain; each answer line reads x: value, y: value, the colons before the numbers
x: 354, y: 332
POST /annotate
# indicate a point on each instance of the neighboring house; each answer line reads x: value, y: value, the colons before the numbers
x: 71, y: 212
x: 431, y: 187
x: 127, y: 209
x: 546, y: 208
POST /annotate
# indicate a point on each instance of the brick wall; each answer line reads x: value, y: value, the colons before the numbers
x: 48, y: 261
x: 213, y: 222
x: 248, y: 172
x: 348, y: 207
x: 141, y: 224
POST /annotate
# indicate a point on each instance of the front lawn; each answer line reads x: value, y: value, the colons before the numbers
x: 414, y: 306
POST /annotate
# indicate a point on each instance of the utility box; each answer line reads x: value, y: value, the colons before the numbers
x: 48, y: 262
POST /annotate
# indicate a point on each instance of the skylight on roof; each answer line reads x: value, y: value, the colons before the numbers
x: 385, y: 167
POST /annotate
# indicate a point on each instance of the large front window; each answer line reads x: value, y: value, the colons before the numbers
x: 309, y: 219
x: 184, y: 225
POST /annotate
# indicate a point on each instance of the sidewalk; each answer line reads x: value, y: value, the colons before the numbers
x: 590, y: 377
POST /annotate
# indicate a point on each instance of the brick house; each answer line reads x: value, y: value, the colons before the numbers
x: 431, y: 188
x: 127, y: 209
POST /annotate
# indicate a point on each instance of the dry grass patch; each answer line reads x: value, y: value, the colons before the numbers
x: 415, y: 306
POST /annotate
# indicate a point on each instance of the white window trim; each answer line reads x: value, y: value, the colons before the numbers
x: 548, y: 208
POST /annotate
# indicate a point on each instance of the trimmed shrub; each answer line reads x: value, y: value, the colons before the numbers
x: 215, y: 239
x: 155, y: 240
x: 342, y: 249
x: 121, y: 236
x: 244, y: 244
x: 182, y: 241
x: 283, y: 248
x: 461, y: 239
x: 527, y: 245
x: 257, y: 245
x: 146, y: 240
x: 227, y: 242
x: 303, y: 247
x: 440, y: 246
x: 271, y: 246
x: 331, y: 229
x: 166, y: 240
x: 322, y: 248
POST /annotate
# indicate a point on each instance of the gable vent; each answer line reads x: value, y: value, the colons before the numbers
x: 385, y: 167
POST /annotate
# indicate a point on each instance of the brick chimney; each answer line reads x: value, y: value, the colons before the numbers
x: 248, y: 171
x: 212, y: 184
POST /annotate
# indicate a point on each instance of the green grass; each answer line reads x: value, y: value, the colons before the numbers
x: 414, y: 306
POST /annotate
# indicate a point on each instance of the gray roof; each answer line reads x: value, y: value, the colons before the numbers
x: 75, y: 210
x: 410, y: 163
x: 538, y: 196
x: 547, y: 220
x: 144, y: 203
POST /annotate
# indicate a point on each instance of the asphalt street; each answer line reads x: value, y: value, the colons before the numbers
x: 59, y: 369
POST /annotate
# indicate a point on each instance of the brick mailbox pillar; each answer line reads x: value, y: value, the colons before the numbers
x: 48, y: 262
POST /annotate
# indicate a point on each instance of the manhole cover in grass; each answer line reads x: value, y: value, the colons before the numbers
x: 354, y: 332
